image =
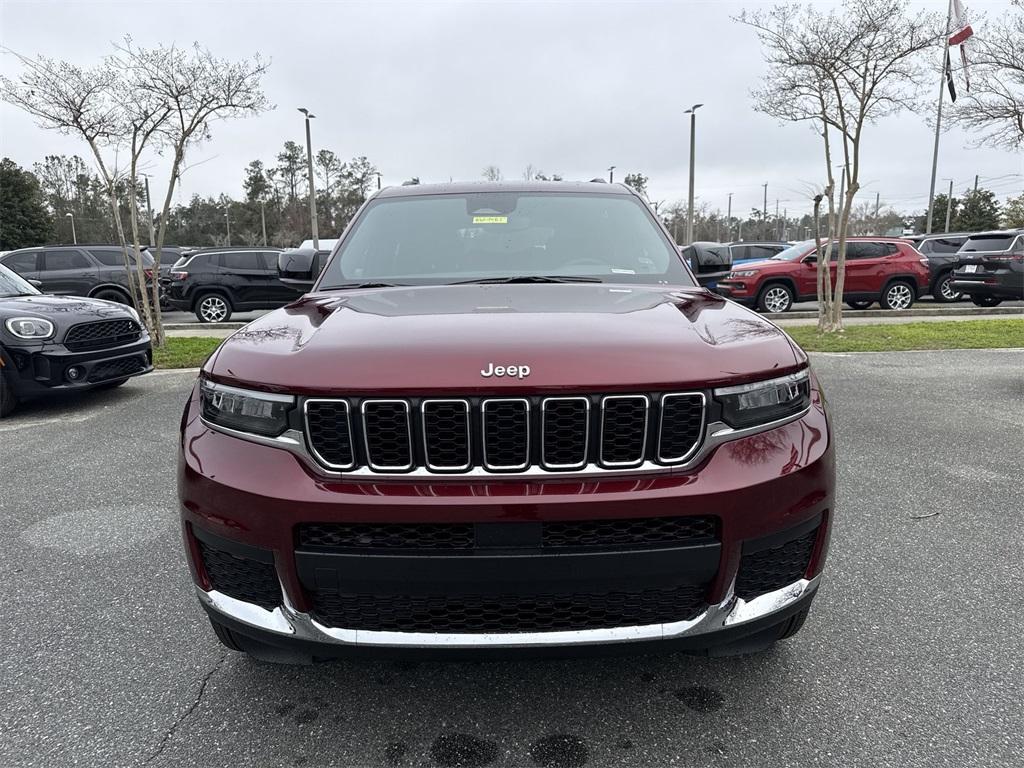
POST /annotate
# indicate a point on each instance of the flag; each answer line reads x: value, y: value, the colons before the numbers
x: 949, y: 79
x: 963, y: 29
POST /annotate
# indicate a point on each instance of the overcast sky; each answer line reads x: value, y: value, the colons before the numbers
x: 440, y: 90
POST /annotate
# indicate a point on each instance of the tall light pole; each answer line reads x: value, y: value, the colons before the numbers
x: 263, y: 220
x: 74, y: 237
x: 692, y: 112
x: 227, y: 222
x: 764, y: 213
x: 949, y: 204
x: 728, y: 219
x: 611, y: 174
x: 312, y: 191
x: 378, y: 181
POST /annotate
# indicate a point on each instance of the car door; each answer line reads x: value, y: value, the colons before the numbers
x: 67, y: 272
x: 278, y: 292
x: 805, y: 272
x: 25, y: 264
x: 243, y: 274
x: 865, y: 268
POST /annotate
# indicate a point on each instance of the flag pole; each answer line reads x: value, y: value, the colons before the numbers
x: 938, y: 116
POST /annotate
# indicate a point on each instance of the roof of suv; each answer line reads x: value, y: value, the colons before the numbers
x: 469, y: 187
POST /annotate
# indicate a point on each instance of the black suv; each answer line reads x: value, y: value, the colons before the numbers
x: 990, y: 267
x: 216, y: 282
x: 96, y: 271
x: 941, y: 252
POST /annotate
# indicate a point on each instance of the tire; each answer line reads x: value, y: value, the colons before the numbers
x: 8, y: 400
x: 859, y: 304
x: 112, y: 294
x: 899, y: 294
x: 942, y: 292
x: 775, y: 297
x: 986, y: 301
x: 213, y: 308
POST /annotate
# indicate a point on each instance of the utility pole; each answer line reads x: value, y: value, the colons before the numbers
x: 378, y: 181
x: 778, y: 237
x: 728, y: 218
x: 764, y: 212
x: 312, y: 191
x: 611, y: 174
x: 785, y: 224
x: 149, y: 208
x: 227, y: 221
x: 975, y: 183
x: 949, y: 204
x: 938, y: 116
x: 878, y: 203
x: 263, y: 221
x: 692, y: 112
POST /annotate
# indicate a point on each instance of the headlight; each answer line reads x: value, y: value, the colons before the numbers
x: 761, y: 402
x: 261, y: 413
x: 30, y: 327
x: 743, y: 273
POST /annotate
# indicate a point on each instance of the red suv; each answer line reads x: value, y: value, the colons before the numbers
x: 505, y: 418
x: 888, y: 271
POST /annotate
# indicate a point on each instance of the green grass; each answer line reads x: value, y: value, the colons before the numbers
x: 965, y: 334
x: 184, y: 352
x: 191, y: 352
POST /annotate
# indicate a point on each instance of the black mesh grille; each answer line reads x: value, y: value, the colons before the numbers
x: 565, y: 425
x: 623, y: 430
x: 330, y: 431
x: 775, y: 568
x: 241, y: 578
x: 388, y: 442
x: 101, y: 334
x: 629, y: 533
x: 117, y: 369
x: 402, y: 536
x: 682, y: 419
x: 506, y: 434
x: 509, y: 613
x: 446, y: 434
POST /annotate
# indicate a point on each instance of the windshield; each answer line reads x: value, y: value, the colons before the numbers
x: 443, y: 239
x: 794, y: 251
x: 987, y: 243
x: 12, y: 284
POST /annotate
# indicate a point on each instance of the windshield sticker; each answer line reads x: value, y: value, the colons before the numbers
x: 490, y: 219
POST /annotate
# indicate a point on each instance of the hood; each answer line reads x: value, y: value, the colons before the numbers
x: 439, y: 339
x: 53, y: 307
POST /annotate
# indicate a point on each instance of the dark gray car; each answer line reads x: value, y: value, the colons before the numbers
x: 96, y: 271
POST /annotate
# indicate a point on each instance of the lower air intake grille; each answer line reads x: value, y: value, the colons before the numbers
x: 391, y: 536
x: 673, y: 531
x: 509, y: 613
x: 117, y: 369
x: 241, y: 578
x: 775, y: 568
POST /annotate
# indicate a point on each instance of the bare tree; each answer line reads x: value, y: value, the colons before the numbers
x: 841, y: 71
x: 197, y: 88
x: 491, y: 173
x: 993, y: 110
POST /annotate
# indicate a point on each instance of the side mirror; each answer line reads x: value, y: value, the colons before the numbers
x: 299, y: 267
x: 35, y: 283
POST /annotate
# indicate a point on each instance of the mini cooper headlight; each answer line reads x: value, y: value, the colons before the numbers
x: 261, y: 413
x: 761, y: 402
x: 29, y: 327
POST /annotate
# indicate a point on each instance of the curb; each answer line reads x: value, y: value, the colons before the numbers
x: 805, y: 314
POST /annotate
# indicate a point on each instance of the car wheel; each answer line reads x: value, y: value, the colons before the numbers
x: 859, y: 304
x: 776, y: 297
x: 112, y: 294
x: 986, y: 301
x: 7, y: 397
x: 943, y: 292
x: 213, y: 308
x: 898, y: 295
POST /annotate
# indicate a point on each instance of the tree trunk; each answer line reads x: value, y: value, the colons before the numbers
x: 118, y: 226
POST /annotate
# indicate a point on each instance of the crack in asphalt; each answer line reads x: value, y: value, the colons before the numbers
x: 188, y: 713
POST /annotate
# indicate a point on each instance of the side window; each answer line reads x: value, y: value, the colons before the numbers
x: 1018, y: 248
x: 21, y: 262
x: 269, y: 260
x: 891, y: 249
x: 235, y: 261
x: 109, y: 257
x: 54, y: 260
x: 740, y: 252
x: 855, y: 251
x: 947, y: 245
x: 763, y: 251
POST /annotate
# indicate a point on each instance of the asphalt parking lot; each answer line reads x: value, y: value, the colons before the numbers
x: 913, y: 654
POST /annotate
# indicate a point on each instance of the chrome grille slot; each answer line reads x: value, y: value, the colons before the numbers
x: 565, y: 432
x: 623, y: 430
x: 446, y: 442
x: 680, y: 426
x: 387, y: 432
x: 329, y: 431
x: 506, y: 428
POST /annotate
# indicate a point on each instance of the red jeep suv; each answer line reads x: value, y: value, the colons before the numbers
x: 505, y: 417
x: 885, y: 270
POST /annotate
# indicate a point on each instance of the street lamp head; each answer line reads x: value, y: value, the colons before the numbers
x: 309, y: 115
x: 69, y: 215
x: 692, y: 109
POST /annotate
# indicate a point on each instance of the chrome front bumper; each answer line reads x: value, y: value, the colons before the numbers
x: 290, y: 623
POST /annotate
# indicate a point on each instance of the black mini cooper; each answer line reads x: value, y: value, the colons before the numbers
x: 59, y: 343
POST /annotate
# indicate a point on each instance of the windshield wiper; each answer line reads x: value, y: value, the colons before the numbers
x: 532, y: 279
x: 364, y: 285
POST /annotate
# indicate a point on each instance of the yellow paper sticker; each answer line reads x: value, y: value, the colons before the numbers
x: 490, y: 219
